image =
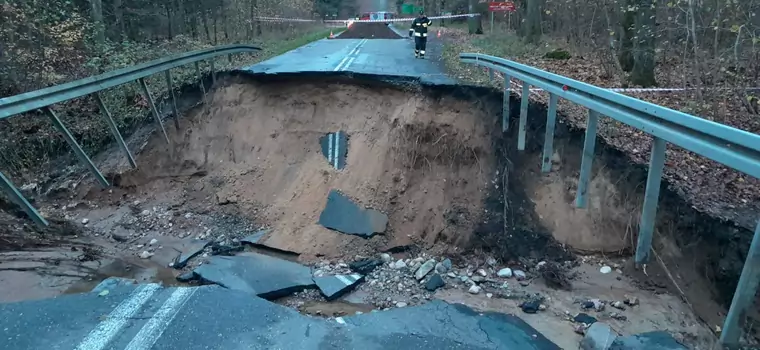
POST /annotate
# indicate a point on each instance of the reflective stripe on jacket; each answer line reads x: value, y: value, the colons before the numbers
x: 419, y: 26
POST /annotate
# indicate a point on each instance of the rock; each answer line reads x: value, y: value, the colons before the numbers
x: 477, y: 279
x: 85, y: 221
x: 443, y: 266
x: 386, y: 258
x: 452, y: 275
x: 425, y: 269
x: 530, y: 307
x: 618, y: 305
x: 187, y: 277
x: 618, y: 316
x: 343, y: 215
x: 418, y: 260
x: 400, y: 264
x: 401, y: 304
x: 258, y: 274
x: 605, y: 269
x: 540, y: 264
x: 542, y: 307
x: 519, y: 274
x: 120, y: 237
x: 632, y: 301
x: 333, y: 287
x: 584, y: 318
x: 482, y: 272
x: 153, y: 241
x: 146, y: 254
x: 365, y: 266
x: 491, y: 261
x: 434, y: 282
x: 598, y: 337
x: 505, y: 273
x: 145, y: 212
x: 474, y: 289
x: 489, y: 295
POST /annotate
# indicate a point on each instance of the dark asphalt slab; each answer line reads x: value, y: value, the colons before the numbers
x: 386, y: 57
x: 212, y: 317
x: 343, y: 215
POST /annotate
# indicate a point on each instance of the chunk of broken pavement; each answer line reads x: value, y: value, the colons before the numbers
x: 333, y: 287
x: 259, y: 274
x: 584, y: 318
x: 531, y: 306
x: 425, y: 269
x: 254, y: 238
x: 657, y: 340
x: 187, y: 277
x: 191, y: 249
x: 434, y: 282
x: 365, y: 266
x: 598, y: 337
x: 343, y: 215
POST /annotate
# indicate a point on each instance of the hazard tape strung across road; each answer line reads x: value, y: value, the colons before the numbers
x: 281, y: 19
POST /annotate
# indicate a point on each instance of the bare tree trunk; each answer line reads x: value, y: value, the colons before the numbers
x: 475, y: 24
x: 204, y: 15
x: 96, y: 12
x: 533, y: 21
x: 626, y: 36
x: 118, y: 13
x: 643, y: 57
x: 169, y: 21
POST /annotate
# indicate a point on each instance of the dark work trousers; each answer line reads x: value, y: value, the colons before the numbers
x: 420, y: 42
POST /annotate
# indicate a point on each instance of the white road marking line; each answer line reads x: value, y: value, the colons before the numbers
x: 349, y: 57
x: 348, y: 63
x: 337, y: 68
x: 337, y: 149
x: 105, y: 331
x: 343, y: 279
x: 152, y: 330
x: 330, y: 147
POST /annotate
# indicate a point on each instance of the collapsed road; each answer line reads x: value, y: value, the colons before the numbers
x: 312, y: 190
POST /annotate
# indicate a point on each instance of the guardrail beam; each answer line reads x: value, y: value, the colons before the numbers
x: 115, y: 130
x: 587, y: 158
x: 505, y: 104
x: 153, y: 108
x: 551, y: 121
x: 744, y: 295
x: 75, y: 147
x: 523, y: 116
x: 19, y: 199
x: 172, y: 96
x: 651, y: 199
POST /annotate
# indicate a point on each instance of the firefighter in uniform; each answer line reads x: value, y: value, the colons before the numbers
x: 420, y: 31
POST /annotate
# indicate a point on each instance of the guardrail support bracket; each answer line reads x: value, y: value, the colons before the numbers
x: 505, y: 104
x: 153, y: 108
x: 170, y: 87
x: 115, y: 130
x: 551, y: 121
x: 744, y: 294
x: 587, y: 158
x: 524, y: 99
x: 75, y: 147
x: 19, y: 199
x: 651, y: 198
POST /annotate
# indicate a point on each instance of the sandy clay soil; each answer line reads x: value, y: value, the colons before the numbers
x: 250, y: 158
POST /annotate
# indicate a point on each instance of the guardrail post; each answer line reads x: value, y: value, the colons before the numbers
x: 75, y: 147
x: 651, y: 197
x: 213, y: 70
x: 490, y: 74
x: 523, y: 116
x: 587, y: 158
x: 744, y: 294
x: 505, y: 104
x: 153, y: 108
x: 170, y: 87
x: 200, y: 78
x: 115, y: 130
x: 551, y: 121
x: 19, y: 199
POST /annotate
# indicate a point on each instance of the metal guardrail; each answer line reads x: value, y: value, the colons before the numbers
x: 735, y: 148
x: 44, y: 98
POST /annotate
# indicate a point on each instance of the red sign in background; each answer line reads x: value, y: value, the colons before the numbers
x: 501, y: 6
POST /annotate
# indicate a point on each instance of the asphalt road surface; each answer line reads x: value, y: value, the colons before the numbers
x: 148, y: 316
x: 388, y: 57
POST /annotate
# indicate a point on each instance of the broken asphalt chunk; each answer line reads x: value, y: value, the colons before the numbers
x: 254, y: 238
x: 192, y: 249
x: 333, y: 287
x: 598, y: 337
x: 343, y: 215
x: 365, y: 266
x: 335, y: 147
x: 262, y: 275
x: 657, y: 340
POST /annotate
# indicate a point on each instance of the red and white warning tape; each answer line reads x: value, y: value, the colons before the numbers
x: 282, y: 19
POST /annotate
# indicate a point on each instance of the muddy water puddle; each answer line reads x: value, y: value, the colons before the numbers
x: 142, y: 272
